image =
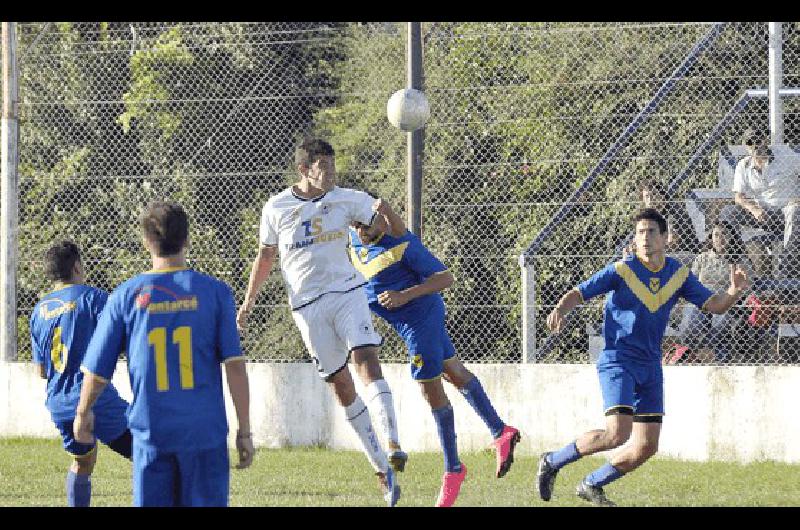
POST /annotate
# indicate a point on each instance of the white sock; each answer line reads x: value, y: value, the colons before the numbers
x: 358, y: 416
x: 379, y: 399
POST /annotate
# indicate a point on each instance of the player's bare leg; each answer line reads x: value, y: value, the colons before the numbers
x: 617, y: 431
x: 379, y: 399
x: 644, y: 444
x: 505, y: 436
x: 358, y: 416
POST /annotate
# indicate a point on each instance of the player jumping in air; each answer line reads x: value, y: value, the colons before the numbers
x: 405, y: 280
x: 308, y: 223
x: 62, y: 324
x: 642, y: 289
x: 177, y: 326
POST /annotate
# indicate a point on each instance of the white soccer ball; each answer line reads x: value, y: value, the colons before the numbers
x: 408, y: 109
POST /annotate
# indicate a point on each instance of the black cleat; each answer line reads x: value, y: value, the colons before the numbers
x: 545, y: 478
x: 398, y: 459
x: 593, y: 494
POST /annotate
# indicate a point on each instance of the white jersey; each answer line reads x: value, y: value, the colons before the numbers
x: 312, y: 238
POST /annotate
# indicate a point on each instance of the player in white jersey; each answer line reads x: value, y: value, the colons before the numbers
x: 308, y: 225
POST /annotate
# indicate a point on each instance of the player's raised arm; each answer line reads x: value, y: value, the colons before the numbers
x: 396, y: 225
x: 568, y: 302
x: 262, y: 266
x: 720, y: 302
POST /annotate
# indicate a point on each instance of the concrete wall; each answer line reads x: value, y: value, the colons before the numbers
x: 713, y: 413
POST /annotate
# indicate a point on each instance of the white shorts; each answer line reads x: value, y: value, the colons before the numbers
x: 333, y: 326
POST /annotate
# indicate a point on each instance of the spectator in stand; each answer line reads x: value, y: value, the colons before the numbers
x: 705, y: 333
x: 766, y: 195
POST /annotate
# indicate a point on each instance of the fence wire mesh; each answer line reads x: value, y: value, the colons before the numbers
x: 113, y: 115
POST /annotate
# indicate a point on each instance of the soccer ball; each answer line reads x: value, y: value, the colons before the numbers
x: 408, y: 109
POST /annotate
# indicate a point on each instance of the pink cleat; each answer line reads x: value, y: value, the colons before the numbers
x: 505, y: 449
x: 451, y: 485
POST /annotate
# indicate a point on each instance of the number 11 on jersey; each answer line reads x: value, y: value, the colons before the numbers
x: 181, y: 336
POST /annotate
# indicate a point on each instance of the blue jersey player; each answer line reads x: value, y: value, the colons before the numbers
x: 404, y: 282
x: 177, y: 326
x: 642, y: 289
x: 62, y: 324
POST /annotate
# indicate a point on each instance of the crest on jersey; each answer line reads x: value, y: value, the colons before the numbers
x: 325, y: 209
x: 655, y: 284
x: 417, y: 361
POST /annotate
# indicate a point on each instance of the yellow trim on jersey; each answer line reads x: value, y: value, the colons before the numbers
x: 237, y: 358
x: 379, y: 262
x: 166, y: 269
x: 653, y: 301
x: 89, y: 372
x: 60, y: 286
x: 646, y: 266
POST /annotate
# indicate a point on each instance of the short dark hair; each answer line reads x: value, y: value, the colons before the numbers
x: 311, y: 149
x: 166, y: 225
x: 59, y: 260
x: 651, y: 214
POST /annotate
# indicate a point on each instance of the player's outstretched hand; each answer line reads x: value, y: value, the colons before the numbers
x: 393, y: 299
x: 555, y: 321
x: 244, y: 446
x: 83, y: 427
x: 241, y: 318
x: 739, y: 280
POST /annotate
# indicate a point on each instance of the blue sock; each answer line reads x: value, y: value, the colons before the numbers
x: 603, y: 475
x: 477, y: 398
x: 445, y: 424
x: 566, y: 455
x: 79, y: 489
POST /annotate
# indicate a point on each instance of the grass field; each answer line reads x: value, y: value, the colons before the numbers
x: 32, y: 473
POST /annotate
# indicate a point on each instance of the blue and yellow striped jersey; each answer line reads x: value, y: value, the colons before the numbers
x: 395, y: 264
x: 177, y: 326
x: 639, y: 303
x: 62, y: 324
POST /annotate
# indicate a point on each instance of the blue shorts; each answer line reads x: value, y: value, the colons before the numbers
x: 630, y: 384
x: 186, y: 478
x: 110, y: 422
x: 428, y: 343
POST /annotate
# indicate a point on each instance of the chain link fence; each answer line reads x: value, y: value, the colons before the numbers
x: 113, y: 115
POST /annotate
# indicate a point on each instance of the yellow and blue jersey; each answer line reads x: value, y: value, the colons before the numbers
x: 639, y: 303
x: 61, y: 326
x: 177, y: 326
x: 395, y: 264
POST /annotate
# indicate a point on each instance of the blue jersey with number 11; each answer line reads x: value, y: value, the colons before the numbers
x: 177, y: 326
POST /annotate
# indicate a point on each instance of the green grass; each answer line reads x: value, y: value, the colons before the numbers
x: 32, y: 473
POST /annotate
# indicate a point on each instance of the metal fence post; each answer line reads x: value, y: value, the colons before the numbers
x: 775, y: 81
x: 528, y: 310
x: 8, y: 201
x: 415, y: 138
